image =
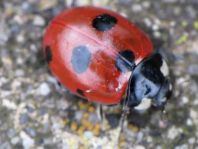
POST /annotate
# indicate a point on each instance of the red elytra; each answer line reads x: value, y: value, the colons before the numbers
x: 90, y: 50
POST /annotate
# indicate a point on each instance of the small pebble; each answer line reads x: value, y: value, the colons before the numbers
x: 189, y: 122
x: 148, y: 22
x: 24, y: 118
x: 93, y: 118
x: 136, y: 7
x: 162, y: 124
x: 74, y: 126
x: 69, y: 3
x: 80, y: 131
x: 9, y: 104
x: 30, y: 109
x: 158, y: 147
x: 193, y: 114
x: 155, y: 27
x: 5, y: 145
x: 38, y: 21
x: 96, y: 129
x: 15, y: 84
x: 15, y: 140
x: 11, y: 133
x: 146, y: 4
x: 170, y: 1
x: 183, y: 146
x: 19, y: 19
x: 44, y: 89
x: 193, y: 69
x: 7, y: 61
x: 195, y: 101
x: 62, y: 104
x: 191, y: 140
x: 43, y: 5
x: 191, y: 11
x: 88, y: 134
x: 30, y: 131
x: 157, y: 34
x: 149, y: 139
x: 184, y: 100
x: 173, y: 132
x: 20, y: 38
x: 83, y: 2
x: 20, y: 61
x: 46, y: 127
x: 27, y: 141
x: 3, y: 80
x: 3, y: 38
x: 99, y: 147
x: 125, y: 2
x: 26, y: 6
x: 78, y: 116
x: 19, y: 73
x: 139, y: 137
x: 139, y: 147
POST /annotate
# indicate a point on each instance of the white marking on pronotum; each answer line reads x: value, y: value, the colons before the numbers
x: 170, y: 87
x: 164, y: 68
x: 144, y: 105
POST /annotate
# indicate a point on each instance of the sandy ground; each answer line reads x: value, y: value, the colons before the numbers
x: 36, y: 113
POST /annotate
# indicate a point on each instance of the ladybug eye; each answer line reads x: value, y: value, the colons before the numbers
x: 104, y: 22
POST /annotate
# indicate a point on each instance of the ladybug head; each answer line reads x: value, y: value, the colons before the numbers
x: 149, y: 83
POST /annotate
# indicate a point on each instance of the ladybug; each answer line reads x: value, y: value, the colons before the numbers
x: 99, y: 55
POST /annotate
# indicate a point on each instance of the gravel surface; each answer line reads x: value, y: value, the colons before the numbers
x: 38, y: 113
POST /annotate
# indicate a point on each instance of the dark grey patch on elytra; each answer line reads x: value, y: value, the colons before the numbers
x: 48, y: 54
x: 80, y: 59
x: 80, y: 92
x: 125, y: 61
x: 104, y: 22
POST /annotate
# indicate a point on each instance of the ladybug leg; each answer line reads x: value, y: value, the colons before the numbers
x: 125, y: 112
x: 122, y: 123
x: 125, y: 107
x: 101, y: 115
x: 100, y: 112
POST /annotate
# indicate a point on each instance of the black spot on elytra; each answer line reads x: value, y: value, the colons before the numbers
x: 80, y: 59
x: 80, y: 92
x: 125, y: 61
x: 48, y: 54
x: 104, y: 22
